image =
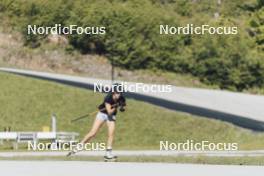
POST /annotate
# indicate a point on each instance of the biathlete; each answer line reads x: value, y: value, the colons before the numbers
x: 107, y: 113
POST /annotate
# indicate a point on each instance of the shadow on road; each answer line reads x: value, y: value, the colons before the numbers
x: 235, y: 119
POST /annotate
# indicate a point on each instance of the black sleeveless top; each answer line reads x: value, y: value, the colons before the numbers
x: 109, y: 99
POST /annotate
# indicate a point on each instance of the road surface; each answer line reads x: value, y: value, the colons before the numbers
x: 79, y: 168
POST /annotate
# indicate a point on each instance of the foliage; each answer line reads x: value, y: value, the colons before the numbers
x: 132, y: 39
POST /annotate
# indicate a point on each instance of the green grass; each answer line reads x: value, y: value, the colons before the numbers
x: 27, y: 104
x: 158, y: 159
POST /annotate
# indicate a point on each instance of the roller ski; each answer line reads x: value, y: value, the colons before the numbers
x: 72, y: 152
x: 109, y: 157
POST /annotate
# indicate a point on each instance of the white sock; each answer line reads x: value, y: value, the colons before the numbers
x: 108, y: 151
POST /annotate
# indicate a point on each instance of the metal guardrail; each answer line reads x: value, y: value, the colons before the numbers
x: 24, y: 137
x: 64, y: 137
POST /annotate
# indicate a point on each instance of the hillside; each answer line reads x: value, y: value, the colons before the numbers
x: 132, y: 41
x: 51, y: 57
x: 141, y: 127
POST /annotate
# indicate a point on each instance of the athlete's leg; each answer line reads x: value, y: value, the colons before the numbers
x: 98, y: 122
x: 95, y: 128
x: 111, y: 133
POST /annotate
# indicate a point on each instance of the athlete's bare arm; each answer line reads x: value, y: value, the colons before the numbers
x: 110, y: 110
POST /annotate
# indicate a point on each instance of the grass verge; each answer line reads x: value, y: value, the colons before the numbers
x: 27, y: 104
x: 180, y: 159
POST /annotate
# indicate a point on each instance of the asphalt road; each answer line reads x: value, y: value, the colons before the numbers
x: 79, y: 168
x: 241, y: 109
x: 238, y: 108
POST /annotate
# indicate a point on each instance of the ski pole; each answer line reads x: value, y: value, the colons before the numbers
x: 90, y: 114
x: 83, y: 116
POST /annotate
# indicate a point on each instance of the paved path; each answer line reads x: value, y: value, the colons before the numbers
x: 78, y: 168
x: 241, y: 109
x: 140, y: 153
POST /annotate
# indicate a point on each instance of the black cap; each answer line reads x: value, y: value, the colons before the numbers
x: 117, y: 88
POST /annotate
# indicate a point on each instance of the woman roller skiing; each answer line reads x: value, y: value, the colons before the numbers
x: 107, y: 114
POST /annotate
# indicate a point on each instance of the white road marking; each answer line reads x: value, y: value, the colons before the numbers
x: 251, y: 153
